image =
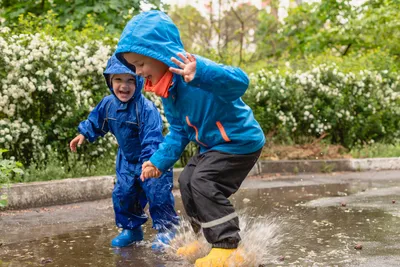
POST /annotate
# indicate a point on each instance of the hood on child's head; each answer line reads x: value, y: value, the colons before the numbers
x: 152, y: 34
x: 114, y: 66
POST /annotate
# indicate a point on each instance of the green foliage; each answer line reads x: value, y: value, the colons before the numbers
x: 112, y: 14
x: 195, y: 30
x: 48, y: 85
x: 49, y: 82
x: 72, y: 167
x: 376, y: 150
x: 346, y: 108
x: 48, y: 24
x: 267, y: 36
x: 224, y: 37
x: 9, y: 169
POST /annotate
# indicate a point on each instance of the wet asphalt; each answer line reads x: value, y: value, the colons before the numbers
x: 319, y: 220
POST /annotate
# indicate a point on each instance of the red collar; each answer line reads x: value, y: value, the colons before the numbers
x: 161, y: 87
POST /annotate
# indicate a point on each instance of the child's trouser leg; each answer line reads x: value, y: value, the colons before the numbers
x: 186, y: 192
x: 126, y: 198
x: 161, y: 201
x: 216, y: 177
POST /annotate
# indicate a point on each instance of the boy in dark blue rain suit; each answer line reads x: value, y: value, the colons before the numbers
x: 202, y: 102
x: 137, y: 126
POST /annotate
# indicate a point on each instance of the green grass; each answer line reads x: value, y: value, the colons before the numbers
x: 56, y: 170
x: 377, y: 150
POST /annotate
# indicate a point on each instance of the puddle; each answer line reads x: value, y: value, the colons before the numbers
x: 289, y: 223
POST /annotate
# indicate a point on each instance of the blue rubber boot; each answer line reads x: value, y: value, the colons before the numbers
x: 127, y: 237
x: 162, y: 240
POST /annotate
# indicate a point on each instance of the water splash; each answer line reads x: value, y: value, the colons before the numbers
x: 184, y: 237
x: 261, y: 237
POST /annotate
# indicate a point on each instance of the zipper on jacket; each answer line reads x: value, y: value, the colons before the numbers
x: 196, y: 131
x: 222, y: 131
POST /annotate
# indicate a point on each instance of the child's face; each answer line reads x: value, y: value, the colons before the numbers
x: 147, y: 67
x: 124, y: 86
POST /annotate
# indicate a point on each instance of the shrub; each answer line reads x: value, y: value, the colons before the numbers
x: 348, y: 108
x: 9, y: 168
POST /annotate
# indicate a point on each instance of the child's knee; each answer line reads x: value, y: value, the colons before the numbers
x: 202, y: 187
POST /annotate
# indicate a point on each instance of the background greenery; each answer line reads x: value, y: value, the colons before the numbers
x: 329, y: 70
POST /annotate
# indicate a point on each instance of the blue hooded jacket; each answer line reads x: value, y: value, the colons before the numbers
x: 136, y: 124
x: 209, y: 109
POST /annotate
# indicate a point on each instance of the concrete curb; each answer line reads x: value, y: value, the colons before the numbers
x: 40, y: 194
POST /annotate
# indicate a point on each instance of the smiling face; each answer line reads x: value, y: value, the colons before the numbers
x: 147, y: 67
x: 124, y: 86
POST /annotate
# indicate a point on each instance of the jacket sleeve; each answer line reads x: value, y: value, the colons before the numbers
x: 171, y: 149
x: 151, y: 132
x: 229, y: 83
x: 96, y: 124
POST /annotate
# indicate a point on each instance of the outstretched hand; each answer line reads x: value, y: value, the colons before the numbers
x: 187, y: 67
x: 77, y: 141
x: 149, y: 171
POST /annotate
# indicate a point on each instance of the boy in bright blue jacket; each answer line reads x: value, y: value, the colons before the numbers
x: 202, y: 103
x: 137, y: 126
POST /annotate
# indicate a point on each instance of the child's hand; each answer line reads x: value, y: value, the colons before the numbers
x: 149, y: 171
x: 76, y: 141
x: 188, y: 67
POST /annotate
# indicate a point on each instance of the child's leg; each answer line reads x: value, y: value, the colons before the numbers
x: 126, y: 197
x: 216, y: 177
x: 186, y: 192
x: 161, y: 201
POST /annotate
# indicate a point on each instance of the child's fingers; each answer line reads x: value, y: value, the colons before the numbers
x: 184, y: 59
x: 177, y: 62
x: 152, y: 173
x: 147, y: 164
x: 146, y: 173
x: 190, y: 57
x: 72, y: 146
x: 177, y: 71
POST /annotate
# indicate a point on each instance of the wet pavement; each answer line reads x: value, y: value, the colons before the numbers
x: 305, y: 220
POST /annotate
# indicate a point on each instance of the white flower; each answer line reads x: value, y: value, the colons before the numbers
x: 9, y: 137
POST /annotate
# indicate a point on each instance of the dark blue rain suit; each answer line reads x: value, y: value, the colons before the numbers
x: 137, y: 126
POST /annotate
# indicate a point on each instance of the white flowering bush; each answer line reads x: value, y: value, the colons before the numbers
x: 47, y: 86
x: 347, y: 108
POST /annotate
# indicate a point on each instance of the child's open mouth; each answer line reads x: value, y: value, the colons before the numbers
x: 125, y: 93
